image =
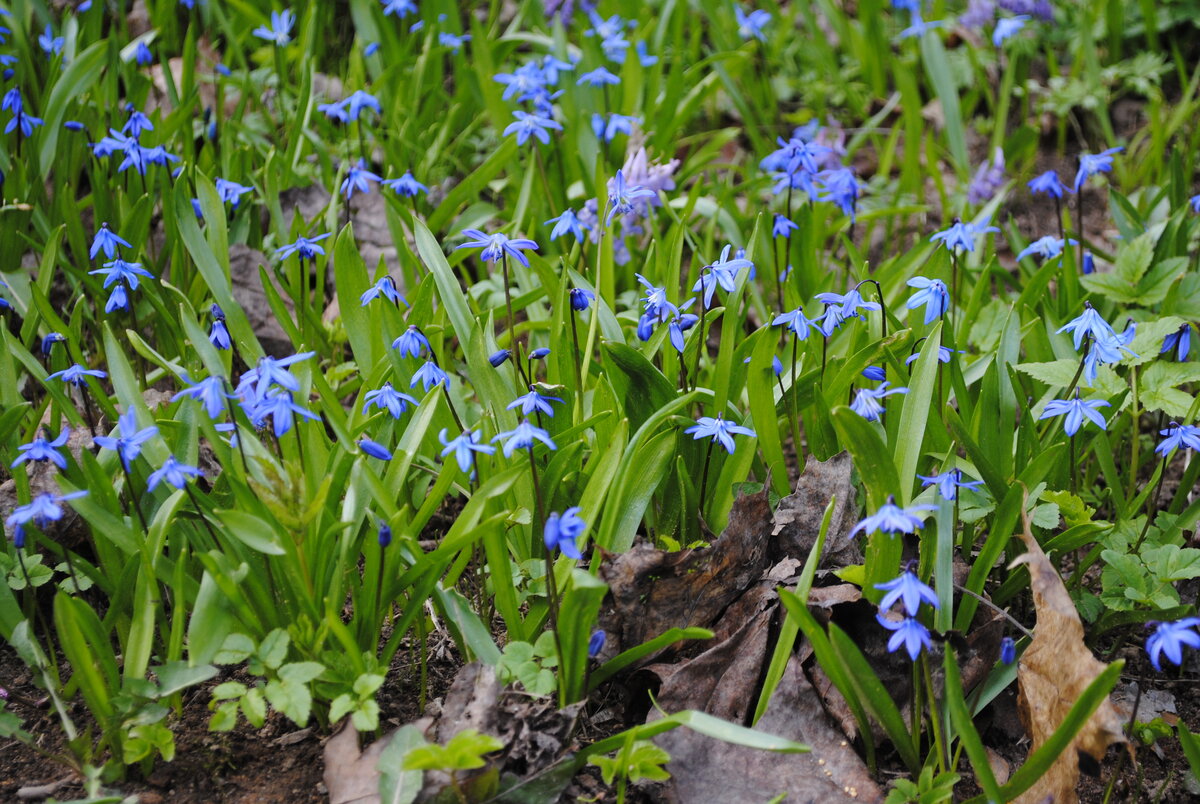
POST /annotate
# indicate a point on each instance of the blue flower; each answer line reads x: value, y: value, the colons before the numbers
x: 464, y: 448
x: 1178, y: 435
x: 452, y: 41
x: 272, y: 371
x: 840, y: 187
x: 41, y: 510
x: 51, y: 45
x: 42, y: 449
x: 401, y: 8
x: 279, y: 406
x: 106, y: 240
x: 496, y: 246
x: 1088, y: 324
x: 866, y: 401
x: 1169, y: 638
x: 523, y: 436
x: 608, y: 128
x: 388, y: 398
x: 1181, y: 341
x: 120, y: 270
x: 597, y: 78
x: 920, y: 27
x: 1195, y: 202
x: 1008, y: 650
x: 1047, y: 183
x: 841, y: 307
x: 358, y: 178
x: 533, y: 401
x: 175, y: 473
x: 498, y: 359
x: 1075, y: 410
x: 909, y: 634
x: 907, y: 588
x: 596, y: 642
x: 931, y: 294
x: 385, y: 534
x: 137, y: 123
x: 26, y: 123
x: 892, y: 519
x: 874, y: 373
x: 719, y: 429
x: 49, y: 340
x: 645, y: 59
x: 1091, y: 164
x: 412, y: 342
x: 210, y: 393
x: 218, y: 333
x: 230, y: 192
x: 128, y: 445
x: 621, y: 196
x: 943, y: 356
x: 750, y: 26
x: 1007, y: 27
x: 539, y: 353
x: 118, y: 300
x: 142, y: 54
x: 581, y: 299
x: 567, y: 223
x: 305, y: 248
x: 429, y: 375
x: 797, y: 323
x: 723, y: 272
x: 562, y: 532
x: 531, y: 125
x: 782, y: 226
x: 75, y: 374
x: 655, y: 301
x: 948, y: 483
x: 962, y: 235
x: 384, y: 288
x: 1046, y: 247
x: 407, y: 185
x: 280, y: 32
x: 374, y: 449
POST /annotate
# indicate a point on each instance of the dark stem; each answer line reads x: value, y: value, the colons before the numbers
x: 133, y: 497
x: 200, y: 512
x: 1162, y: 474
x: 704, y: 476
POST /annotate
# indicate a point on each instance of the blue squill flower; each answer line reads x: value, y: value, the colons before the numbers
x: 43, y: 449
x: 581, y: 299
x: 388, y: 398
x: 621, y: 196
x: 218, y: 333
x: 892, y: 519
x: 117, y: 300
x: 106, y: 240
x: 384, y: 288
x: 464, y: 448
x: 1047, y: 247
x: 273, y: 371
x: 782, y: 226
x: 49, y: 340
x: 1047, y: 183
x: 562, y: 532
x: 568, y: 223
x: 920, y: 27
x: 607, y: 128
x: 1007, y: 27
x: 866, y: 401
x: 531, y: 125
x: 359, y: 178
x: 949, y: 482
x: 962, y: 235
x: 41, y: 510
x: 142, y: 54
x: 278, y: 405
x: 540, y: 353
x: 944, y: 353
x: 874, y: 373
x: 534, y: 402
x: 931, y: 294
x: 174, y: 473
x: 230, y: 192
x: 1181, y: 341
x: 304, y: 247
x: 719, y: 430
x: 723, y: 272
x: 75, y: 375
x: 841, y: 307
x: 407, y: 185
x: 128, y: 444
x: 645, y: 59
x: 752, y: 25
x: 596, y: 643
x: 374, y: 449
x: 1008, y: 650
x: 137, y: 123
x: 840, y: 187
x: 499, y: 358
x: 50, y: 44
x: 412, y: 342
x: 401, y: 8
x: 1178, y: 435
x: 908, y: 589
x: 909, y: 633
x: 210, y: 393
x: 523, y: 436
x: 1170, y: 639
x: 1076, y: 410
x: 453, y: 41
x: 280, y: 32
x: 1195, y: 202
x: 1088, y: 324
x: 597, y: 78
x: 1091, y: 164
x: 797, y: 323
x: 497, y: 246
x: 120, y: 270
x: 429, y: 375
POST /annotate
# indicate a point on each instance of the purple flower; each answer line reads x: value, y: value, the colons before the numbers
x: 562, y: 532
x: 497, y: 246
x: 892, y: 519
x: 374, y: 449
x: 43, y: 449
x: 1075, y: 411
x: 1091, y: 164
x: 866, y: 401
x: 720, y: 430
x: 1047, y: 183
x: 1170, y: 638
x: 174, y: 473
x: 464, y: 448
x: 907, y: 587
x: 909, y: 634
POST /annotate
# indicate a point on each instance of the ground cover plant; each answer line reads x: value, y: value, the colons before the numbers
x: 602, y: 401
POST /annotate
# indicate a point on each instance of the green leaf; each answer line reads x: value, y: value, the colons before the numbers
x: 626, y: 658
x: 396, y: 785
x: 449, y: 290
x: 83, y: 71
x: 291, y: 699
x: 914, y: 416
x: 251, y: 531
x: 350, y: 282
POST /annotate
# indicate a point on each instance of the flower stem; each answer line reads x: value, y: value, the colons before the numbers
x: 704, y: 476
x: 133, y: 497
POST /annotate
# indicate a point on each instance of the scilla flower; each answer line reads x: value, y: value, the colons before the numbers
x: 866, y: 401
x: 908, y: 589
x: 720, y: 430
x: 562, y: 532
x: 464, y: 448
x: 931, y: 294
x: 1076, y: 410
x: 892, y: 519
x: 174, y: 473
x: 1170, y: 638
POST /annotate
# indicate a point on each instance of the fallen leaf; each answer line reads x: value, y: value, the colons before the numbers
x: 798, y: 518
x: 1053, y: 672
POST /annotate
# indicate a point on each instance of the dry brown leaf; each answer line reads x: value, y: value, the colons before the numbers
x: 1053, y: 672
